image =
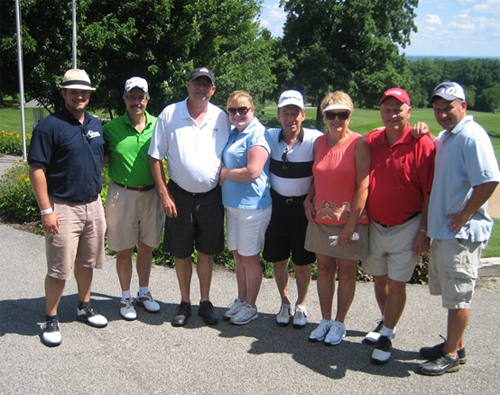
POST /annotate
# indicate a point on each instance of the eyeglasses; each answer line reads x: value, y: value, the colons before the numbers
x: 285, y: 160
x: 239, y: 110
x: 330, y: 115
x: 134, y: 98
x: 206, y: 85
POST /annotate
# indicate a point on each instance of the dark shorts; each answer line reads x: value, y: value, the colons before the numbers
x: 199, y: 223
x: 287, y: 232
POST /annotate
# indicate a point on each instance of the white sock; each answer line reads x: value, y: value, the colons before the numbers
x: 126, y: 295
x: 143, y: 290
x: 387, y: 332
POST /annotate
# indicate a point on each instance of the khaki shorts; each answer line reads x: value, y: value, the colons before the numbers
x: 318, y: 241
x: 391, y: 250
x: 80, y: 240
x: 246, y: 229
x: 133, y: 216
x: 453, y: 267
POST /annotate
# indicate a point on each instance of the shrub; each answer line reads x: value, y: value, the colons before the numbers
x: 11, y: 143
x: 17, y: 200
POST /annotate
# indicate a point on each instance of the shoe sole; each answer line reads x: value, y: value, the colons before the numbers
x: 450, y: 370
x: 283, y: 323
x: 215, y: 322
x: 299, y: 326
x: 379, y: 362
x: 86, y: 321
x: 127, y: 318
x: 247, y: 321
x: 49, y: 344
x: 139, y: 304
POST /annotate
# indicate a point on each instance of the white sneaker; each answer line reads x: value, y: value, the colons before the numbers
x: 51, y: 335
x: 233, y: 309
x: 89, y: 316
x: 300, y: 317
x: 147, y: 302
x: 245, y: 314
x: 321, y: 330
x: 127, y: 310
x: 283, y: 317
x: 336, y: 333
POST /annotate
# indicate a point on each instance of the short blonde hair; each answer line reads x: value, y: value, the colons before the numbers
x: 337, y: 97
x: 239, y: 95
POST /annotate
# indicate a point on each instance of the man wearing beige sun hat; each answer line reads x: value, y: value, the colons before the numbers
x: 65, y: 161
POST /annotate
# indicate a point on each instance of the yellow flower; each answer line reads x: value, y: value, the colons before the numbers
x: 27, y: 179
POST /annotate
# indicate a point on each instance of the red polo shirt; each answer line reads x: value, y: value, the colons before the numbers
x: 400, y: 176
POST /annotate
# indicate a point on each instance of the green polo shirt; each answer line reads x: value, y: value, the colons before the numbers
x: 128, y: 151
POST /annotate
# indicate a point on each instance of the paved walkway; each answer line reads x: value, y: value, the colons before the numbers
x: 150, y: 356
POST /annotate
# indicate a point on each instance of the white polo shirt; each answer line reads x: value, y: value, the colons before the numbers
x: 294, y: 178
x: 193, y: 151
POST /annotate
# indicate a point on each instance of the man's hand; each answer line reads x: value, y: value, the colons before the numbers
x: 458, y: 220
x: 168, y: 206
x: 421, y: 243
x: 421, y: 129
x: 309, y: 210
x: 50, y: 223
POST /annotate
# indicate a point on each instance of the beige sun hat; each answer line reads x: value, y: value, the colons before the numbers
x: 76, y: 79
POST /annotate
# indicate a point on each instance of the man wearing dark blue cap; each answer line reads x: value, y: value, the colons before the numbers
x: 465, y: 175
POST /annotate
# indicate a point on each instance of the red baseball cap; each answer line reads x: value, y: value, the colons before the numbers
x: 398, y: 93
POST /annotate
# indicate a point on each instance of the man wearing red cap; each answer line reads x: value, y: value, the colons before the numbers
x: 398, y: 198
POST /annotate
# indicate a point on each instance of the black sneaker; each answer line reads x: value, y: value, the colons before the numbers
x: 89, y: 316
x: 382, y: 352
x: 182, y: 315
x: 51, y: 335
x: 436, y: 351
x: 207, y: 312
x: 372, y: 337
x: 436, y: 367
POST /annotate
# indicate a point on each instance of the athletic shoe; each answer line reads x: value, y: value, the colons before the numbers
x: 127, y: 310
x: 372, y: 337
x: 245, y: 314
x: 382, y: 352
x: 431, y: 353
x: 300, y: 317
x: 283, y: 317
x: 89, y: 316
x: 147, y: 302
x: 51, y: 335
x: 318, y: 335
x: 233, y: 309
x: 436, y: 367
x: 336, y: 333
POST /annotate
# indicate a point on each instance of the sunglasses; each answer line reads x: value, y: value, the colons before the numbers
x: 239, y: 110
x: 284, y: 158
x: 330, y: 115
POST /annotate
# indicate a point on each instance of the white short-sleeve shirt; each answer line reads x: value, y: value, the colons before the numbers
x: 193, y: 151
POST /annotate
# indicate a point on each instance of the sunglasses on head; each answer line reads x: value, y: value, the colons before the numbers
x: 239, y: 110
x: 330, y: 115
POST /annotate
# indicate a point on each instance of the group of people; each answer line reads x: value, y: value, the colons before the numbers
x: 293, y: 193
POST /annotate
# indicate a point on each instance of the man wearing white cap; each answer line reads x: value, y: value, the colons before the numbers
x: 292, y: 157
x: 191, y: 135
x: 466, y: 174
x: 65, y: 158
x: 400, y: 184
x: 133, y: 209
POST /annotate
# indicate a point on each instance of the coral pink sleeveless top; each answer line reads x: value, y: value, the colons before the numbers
x: 334, y: 173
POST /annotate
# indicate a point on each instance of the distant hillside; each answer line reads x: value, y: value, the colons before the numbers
x: 415, y: 57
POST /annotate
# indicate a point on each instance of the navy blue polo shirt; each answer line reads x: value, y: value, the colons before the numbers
x: 71, y: 154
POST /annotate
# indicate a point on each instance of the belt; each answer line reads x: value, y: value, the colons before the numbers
x: 193, y: 194
x: 140, y: 189
x: 390, y: 226
x: 89, y: 200
x: 290, y: 200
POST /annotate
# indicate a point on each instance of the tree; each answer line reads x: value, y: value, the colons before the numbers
x: 160, y: 40
x: 488, y: 100
x: 349, y: 45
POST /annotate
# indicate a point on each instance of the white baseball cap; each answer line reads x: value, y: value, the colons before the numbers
x: 136, y: 82
x: 291, y: 98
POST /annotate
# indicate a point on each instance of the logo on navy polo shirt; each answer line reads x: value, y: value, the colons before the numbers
x: 92, y: 134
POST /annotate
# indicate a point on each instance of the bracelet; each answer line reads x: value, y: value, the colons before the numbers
x: 423, y: 230
x: 48, y: 211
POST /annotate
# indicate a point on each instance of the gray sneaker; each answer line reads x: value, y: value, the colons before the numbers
x: 233, y: 309
x: 336, y: 333
x: 300, y: 317
x: 321, y: 330
x: 283, y: 317
x: 245, y: 314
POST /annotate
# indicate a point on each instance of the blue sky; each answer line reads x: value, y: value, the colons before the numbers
x: 465, y: 28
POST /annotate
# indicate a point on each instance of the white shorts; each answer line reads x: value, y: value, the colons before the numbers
x: 391, y: 250
x: 246, y: 229
x: 132, y: 216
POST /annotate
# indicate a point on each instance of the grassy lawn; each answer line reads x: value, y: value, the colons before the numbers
x: 362, y: 121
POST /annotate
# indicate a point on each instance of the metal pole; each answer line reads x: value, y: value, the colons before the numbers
x: 21, y: 76
x: 74, y: 34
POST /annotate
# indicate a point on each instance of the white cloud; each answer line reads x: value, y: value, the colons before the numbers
x: 490, y: 7
x: 433, y: 19
x: 273, y: 18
